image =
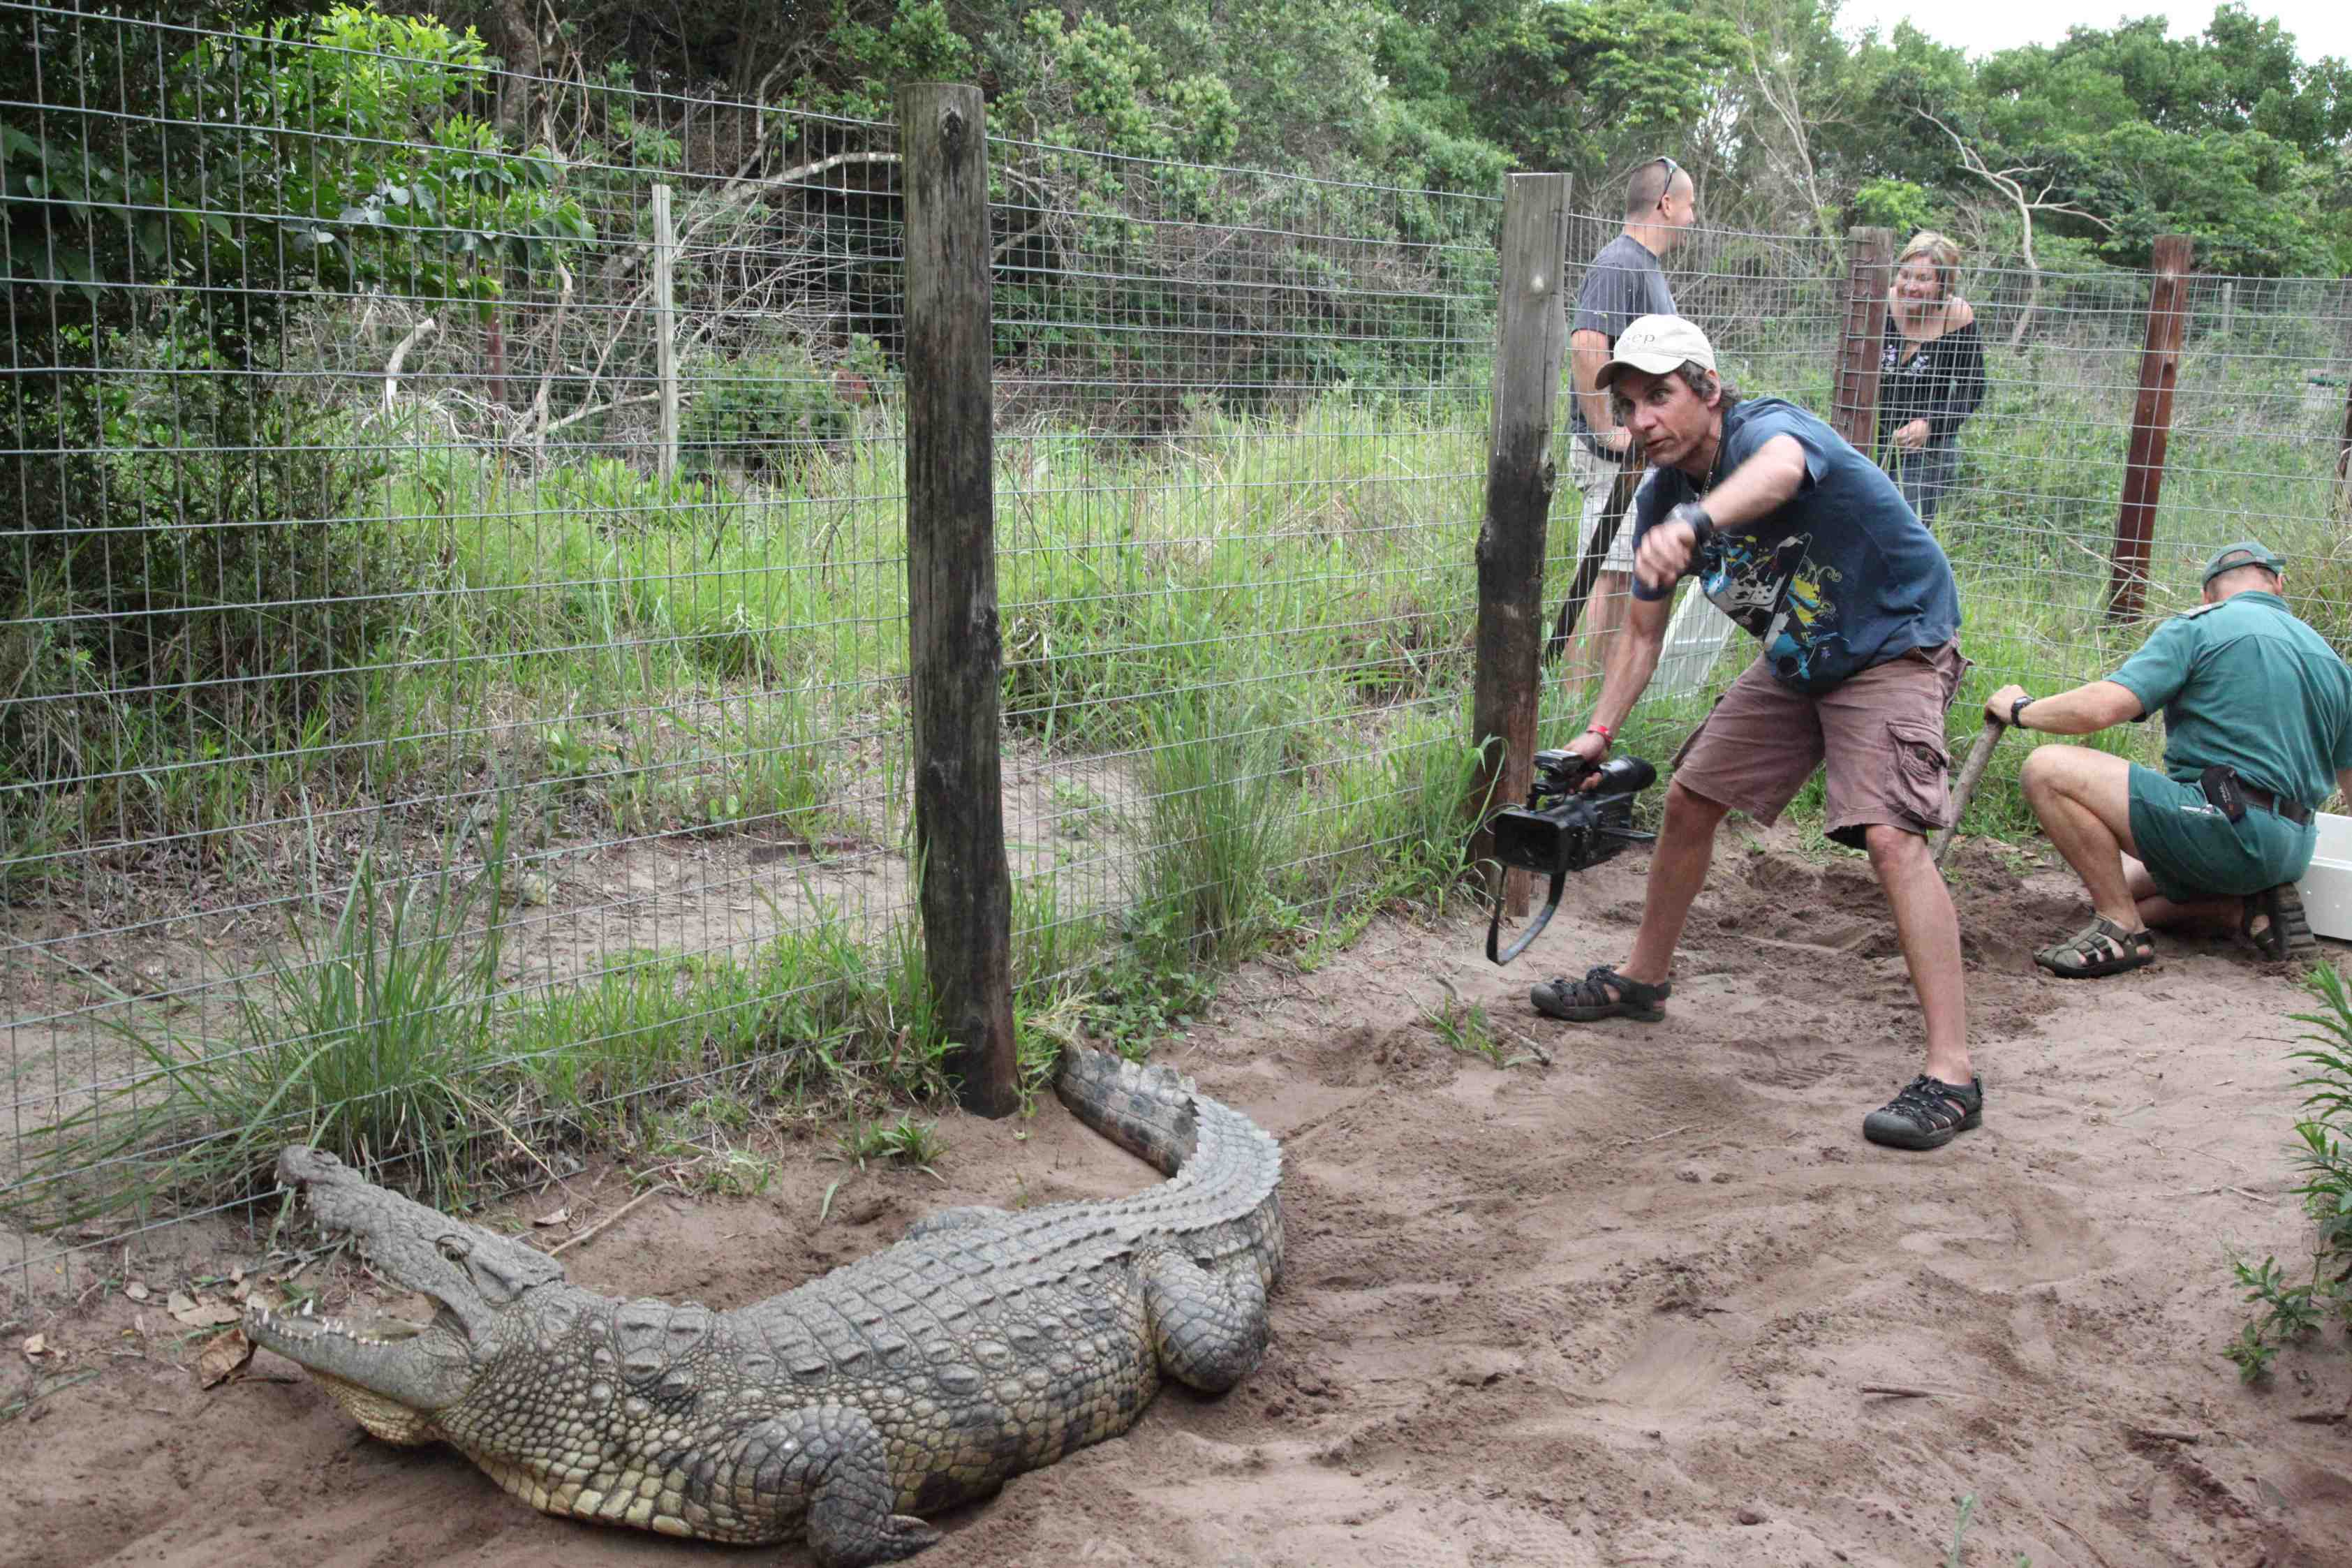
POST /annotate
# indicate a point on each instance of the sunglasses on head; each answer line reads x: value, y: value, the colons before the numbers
x: 1673, y: 169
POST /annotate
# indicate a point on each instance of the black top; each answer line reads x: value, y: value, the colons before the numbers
x: 1942, y: 384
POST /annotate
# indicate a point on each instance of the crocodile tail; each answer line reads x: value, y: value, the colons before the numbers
x: 1147, y: 1111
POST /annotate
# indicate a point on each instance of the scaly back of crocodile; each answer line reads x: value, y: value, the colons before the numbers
x: 984, y: 1344
x: 1222, y: 1205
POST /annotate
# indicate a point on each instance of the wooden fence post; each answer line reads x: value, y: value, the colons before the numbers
x: 1853, y: 411
x: 2344, y: 442
x: 2344, y: 458
x: 1531, y: 337
x: 955, y: 645
x: 666, y: 329
x: 2159, y: 368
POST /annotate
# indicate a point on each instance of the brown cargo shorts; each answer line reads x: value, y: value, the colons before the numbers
x: 1880, y: 732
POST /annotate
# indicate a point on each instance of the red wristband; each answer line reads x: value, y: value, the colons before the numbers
x: 1603, y: 731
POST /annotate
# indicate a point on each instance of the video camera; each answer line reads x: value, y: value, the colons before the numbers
x: 1565, y: 828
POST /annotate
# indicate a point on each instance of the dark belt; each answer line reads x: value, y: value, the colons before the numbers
x: 2295, y: 811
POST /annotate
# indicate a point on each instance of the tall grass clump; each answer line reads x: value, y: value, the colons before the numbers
x: 1219, y: 824
x: 367, y: 1040
x: 2290, y: 1303
x: 1396, y: 822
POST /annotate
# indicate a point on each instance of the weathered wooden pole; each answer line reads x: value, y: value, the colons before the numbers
x: 2344, y: 442
x: 2344, y: 458
x: 952, y: 618
x: 666, y: 329
x: 1530, y: 336
x: 1853, y: 411
x: 2159, y: 369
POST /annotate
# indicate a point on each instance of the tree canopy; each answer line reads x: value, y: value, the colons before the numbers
x: 2233, y: 135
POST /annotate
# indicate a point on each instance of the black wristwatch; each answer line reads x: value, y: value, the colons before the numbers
x: 2016, y: 711
x: 1702, y: 523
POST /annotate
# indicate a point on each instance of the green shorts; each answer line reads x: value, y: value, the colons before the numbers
x: 2193, y: 852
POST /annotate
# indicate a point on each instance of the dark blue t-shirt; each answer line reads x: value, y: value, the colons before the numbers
x: 1842, y: 577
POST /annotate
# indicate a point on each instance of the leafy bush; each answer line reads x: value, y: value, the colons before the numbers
x: 194, y: 506
x: 216, y: 552
x: 765, y: 414
x: 2291, y: 1308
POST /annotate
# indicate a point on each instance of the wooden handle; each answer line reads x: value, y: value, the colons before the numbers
x: 1965, y: 788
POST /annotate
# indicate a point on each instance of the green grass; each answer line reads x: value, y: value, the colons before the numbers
x: 1258, y: 628
x: 2292, y: 1304
x: 366, y: 1041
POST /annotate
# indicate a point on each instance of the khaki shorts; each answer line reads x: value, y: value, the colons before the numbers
x: 1595, y: 479
x: 1880, y: 732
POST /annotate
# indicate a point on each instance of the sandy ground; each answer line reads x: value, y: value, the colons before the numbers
x: 1618, y: 1308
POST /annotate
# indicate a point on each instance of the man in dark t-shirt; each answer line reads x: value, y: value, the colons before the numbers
x: 1806, y: 544
x: 1624, y: 283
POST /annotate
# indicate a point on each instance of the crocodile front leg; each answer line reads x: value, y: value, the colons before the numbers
x: 1207, y: 1330
x: 832, y: 1456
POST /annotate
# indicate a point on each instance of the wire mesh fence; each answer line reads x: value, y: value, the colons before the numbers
x: 453, y: 662
x: 453, y: 608
x: 2027, y: 495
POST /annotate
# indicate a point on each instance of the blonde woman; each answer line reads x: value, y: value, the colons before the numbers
x: 1931, y: 373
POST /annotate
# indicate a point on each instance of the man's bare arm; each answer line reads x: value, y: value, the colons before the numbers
x: 1588, y: 351
x: 1760, y: 487
x: 1754, y: 491
x: 1632, y: 659
x: 2084, y: 710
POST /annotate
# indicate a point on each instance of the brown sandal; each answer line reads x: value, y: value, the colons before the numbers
x: 2099, y: 949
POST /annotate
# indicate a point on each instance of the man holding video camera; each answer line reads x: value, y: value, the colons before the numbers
x: 1806, y: 544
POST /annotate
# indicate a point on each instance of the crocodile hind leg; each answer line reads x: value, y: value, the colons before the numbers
x: 833, y: 1456
x: 1207, y: 1330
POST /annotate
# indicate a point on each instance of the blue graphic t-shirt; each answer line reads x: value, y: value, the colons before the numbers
x: 1842, y: 577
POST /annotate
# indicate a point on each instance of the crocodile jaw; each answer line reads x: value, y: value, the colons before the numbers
x: 479, y: 1283
x: 389, y: 1377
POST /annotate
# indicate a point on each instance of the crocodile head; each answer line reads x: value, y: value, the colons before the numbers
x: 391, y: 1376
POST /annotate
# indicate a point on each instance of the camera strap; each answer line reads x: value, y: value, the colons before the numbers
x: 1534, y: 927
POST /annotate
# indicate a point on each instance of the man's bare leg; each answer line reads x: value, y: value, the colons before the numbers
x: 2083, y: 799
x: 1677, y: 871
x: 1930, y: 931
x: 2214, y: 916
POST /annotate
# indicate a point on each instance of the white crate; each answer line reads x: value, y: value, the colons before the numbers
x: 2326, y: 888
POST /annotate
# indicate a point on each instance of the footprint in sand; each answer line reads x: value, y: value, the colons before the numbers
x: 1787, y: 1064
x: 2007, y: 1243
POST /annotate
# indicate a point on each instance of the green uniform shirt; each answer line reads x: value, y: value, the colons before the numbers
x: 2243, y: 682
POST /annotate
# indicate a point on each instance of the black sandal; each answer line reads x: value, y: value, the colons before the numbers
x: 2286, y: 934
x: 2099, y: 949
x: 1927, y: 1114
x: 1601, y: 994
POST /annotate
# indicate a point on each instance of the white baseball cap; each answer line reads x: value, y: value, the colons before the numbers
x: 1654, y: 345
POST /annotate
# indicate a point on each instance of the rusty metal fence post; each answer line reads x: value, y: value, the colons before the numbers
x: 1853, y: 411
x: 2159, y: 369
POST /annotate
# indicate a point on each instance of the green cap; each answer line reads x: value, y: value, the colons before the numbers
x: 2245, y: 553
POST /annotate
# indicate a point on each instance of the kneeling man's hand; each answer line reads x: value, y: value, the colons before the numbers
x: 1998, y: 704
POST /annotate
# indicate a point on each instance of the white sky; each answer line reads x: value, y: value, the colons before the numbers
x: 1982, y: 26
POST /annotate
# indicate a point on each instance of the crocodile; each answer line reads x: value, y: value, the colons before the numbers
x: 983, y: 1344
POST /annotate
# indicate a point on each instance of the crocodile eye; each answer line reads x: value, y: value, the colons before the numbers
x: 453, y: 1249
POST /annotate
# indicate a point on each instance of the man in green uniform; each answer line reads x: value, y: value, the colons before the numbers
x: 2258, y: 733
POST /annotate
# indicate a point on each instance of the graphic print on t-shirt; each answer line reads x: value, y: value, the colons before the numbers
x: 1776, y: 594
